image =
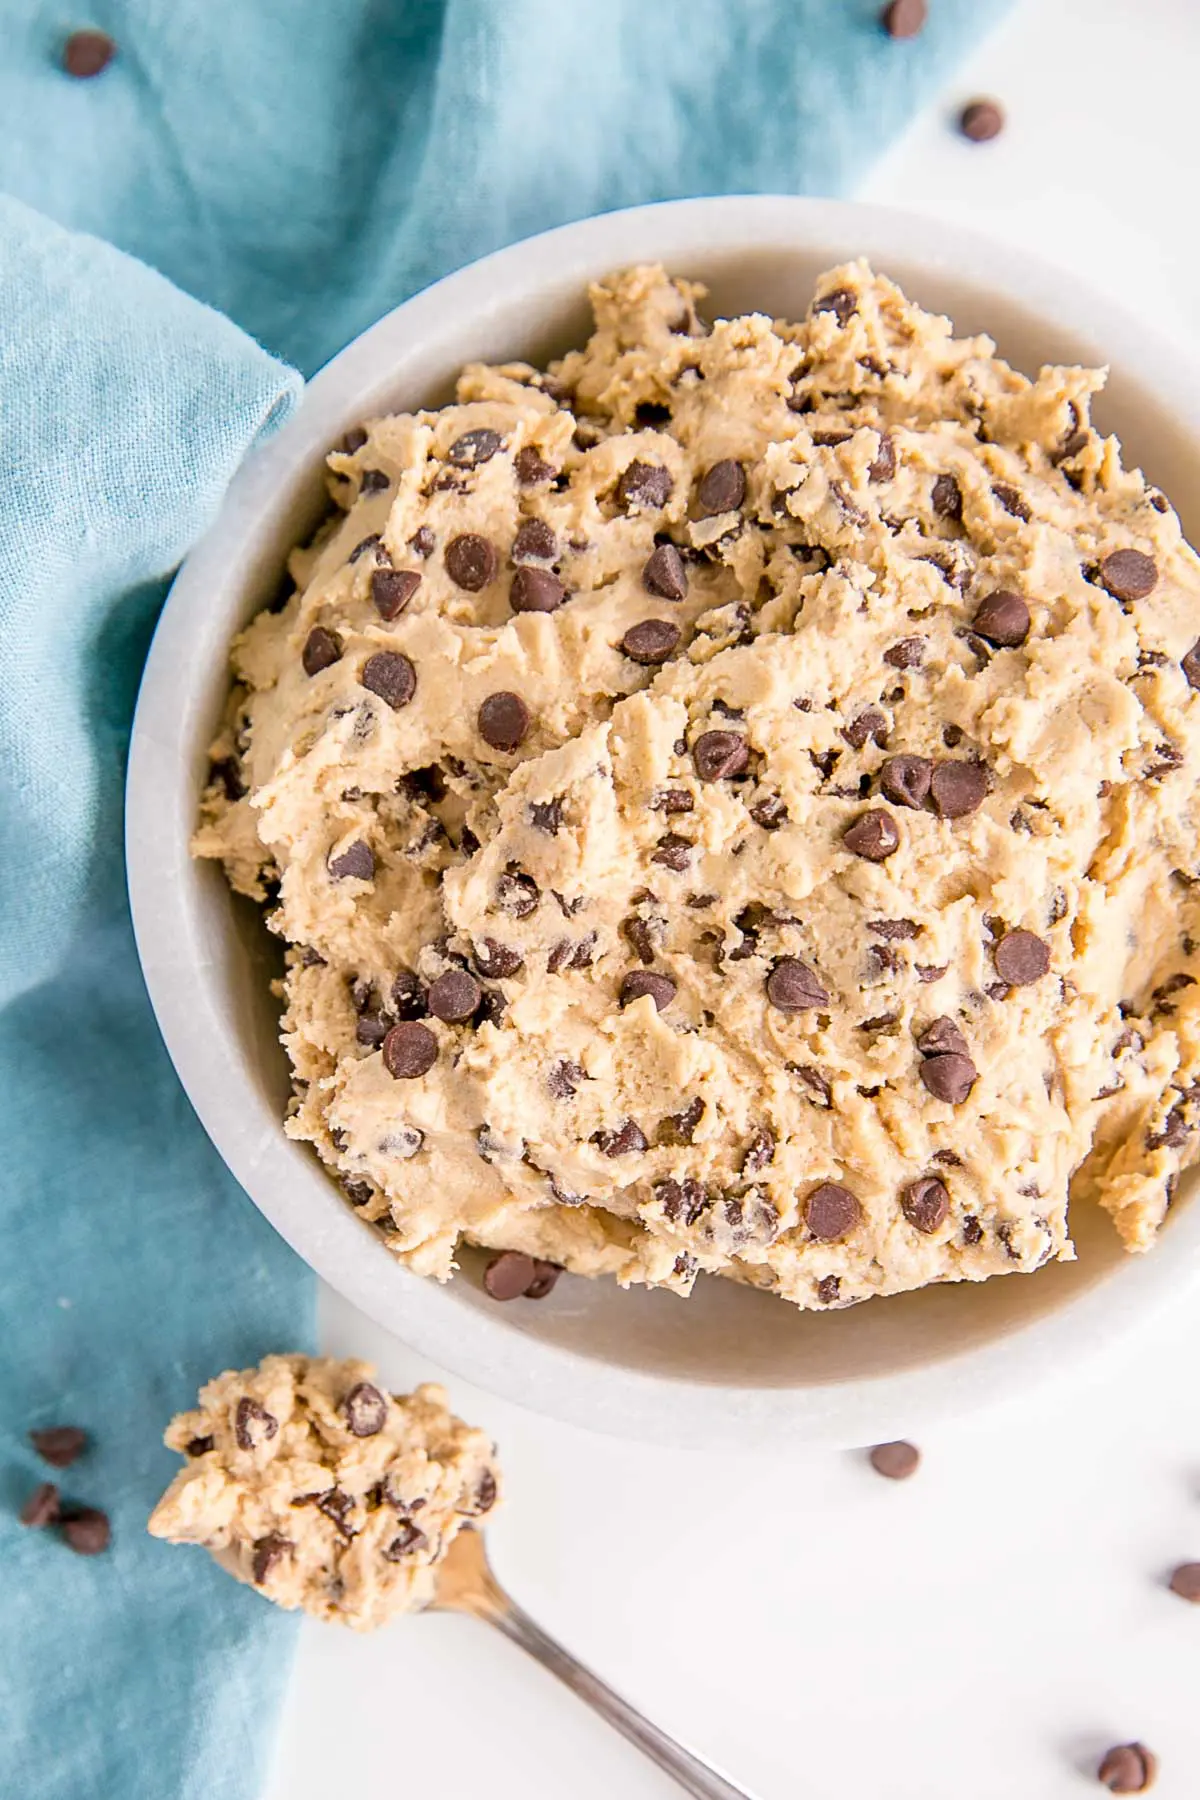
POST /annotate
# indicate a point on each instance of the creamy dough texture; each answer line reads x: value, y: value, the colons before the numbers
x: 731, y: 805
x: 311, y: 1483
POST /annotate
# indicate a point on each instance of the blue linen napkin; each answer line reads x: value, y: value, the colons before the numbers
x: 302, y: 167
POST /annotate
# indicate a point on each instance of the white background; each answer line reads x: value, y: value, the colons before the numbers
x: 985, y: 1630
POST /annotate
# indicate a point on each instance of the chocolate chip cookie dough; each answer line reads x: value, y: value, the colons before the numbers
x: 731, y: 805
x: 310, y: 1482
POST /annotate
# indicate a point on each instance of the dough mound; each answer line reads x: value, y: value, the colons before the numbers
x: 731, y: 805
x: 314, y: 1485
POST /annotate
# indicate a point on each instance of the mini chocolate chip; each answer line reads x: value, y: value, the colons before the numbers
x: 644, y: 484
x: 409, y: 1051
x: 904, y: 780
x: 471, y: 561
x: 947, y: 498
x: 199, y: 1446
x: 673, y: 852
x: 981, y: 120
x: 1021, y: 957
x: 884, y: 466
x: 534, y: 542
x: 473, y: 448
x: 1128, y: 574
x: 86, y: 1529
x: 661, y: 988
x: 531, y: 469
x: 392, y: 589
x: 391, y: 676
x: 356, y: 863
x: 870, y: 723
x: 717, y: 755
x: 651, y: 641
x: 454, y: 996
x: 950, y: 1077
x: 904, y: 18
x: 828, y: 1289
x: 831, y: 1211
x: 1185, y: 1581
x: 88, y: 53
x: 321, y: 650
x: 268, y: 1551
x: 665, y: 573
x: 793, y: 987
x: 841, y: 302
x: 545, y: 1278
x: 958, y: 788
x: 925, y: 1203
x: 627, y: 1140
x: 496, y: 961
x: 365, y: 1409
x: 42, y: 1506
x: 59, y: 1445
x: 896, y: 1461
x: 504, y: 721
x: 873, y: 836
x: 722, y: 488
x: 253, y: 1424
x: 1127, y: 1769
x: 1013, y: 501
x: 546, y: 815
x: 942, y: 1038
x: 909, y: 653
x: 1003, y: 619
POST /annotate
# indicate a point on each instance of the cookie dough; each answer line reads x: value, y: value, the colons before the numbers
x: 730, y: 802
x: 313, y: 1484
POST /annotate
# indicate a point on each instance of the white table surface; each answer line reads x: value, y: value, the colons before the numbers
x: 985, y: 1630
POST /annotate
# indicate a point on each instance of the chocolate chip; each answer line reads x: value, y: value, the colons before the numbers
x: 536, y: 591
x: 627, y: 1140
x: 673, y: 852
x: 372, y: 1028
x: 1127, y: 1769
x: 828, y: 1289
x: 59, y: 1445
x: 225, y: 770
x: 358, y: 1193
x: 408, y: 996
x: 904, y: 18
x: 661, y: 988
x: 651, y: 641
x: 972, y: 1230
x: 1190, y: 665
x: 719, y: 754
x: 546, y: 815
x: 674, y: 800
x: 1128, y: 574
x: 473, y: 448
x: 925, y: 1203
x: 454, y: 996
x: 870, y: 723
x: 679, y: 1128
x: 1013, y: 501
x: 88, y: 53
x: 517, y: 893
x: 759, y: 1151
x: 391, y: 676
x: 884, y: 465
x: 770, y: 812
x: 895, y: 1461
x: 683, y: 1201
x: 484, y: 1497
x: 199, y: 1446
x: 374, y: 481
x: 644, y: 484
x: 321, y: 650
x: 471, y: 561
x: 942, y: 1038
x: 422, y: 542
x: 950, y: 1077
x: 947, y: 498
x: 841, y: 302
x: 793, y: 987
x: 253, y: 1424
x: 1185, y: 1581
x: 534, y: 542
x: 42, y: 1506
x: 268, y: 1551
x: 364, y: 544
x: 958, y: 788
x: 830, y: 1212
x: 86, y: 1529
x: 409, y: 1051
x: 1021, y: 957
x: 981, y: 120
x: 356, y: 863
x: 545, y: 1277
x: 531, y: 469
x: 909, y: 653
x: 722, y: 489
x: 894, y: 928
x: 496, y: 961
x: 1003, y: 619
x: 365, y: 1409
x: 392, y: 589
x: 665, y: 573
x: 873, y: 836
x: 904, y: 780
x: 563, y: 1080
x: 504, y: 721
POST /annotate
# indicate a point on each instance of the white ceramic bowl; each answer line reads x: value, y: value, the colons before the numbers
x: 728, y: 1365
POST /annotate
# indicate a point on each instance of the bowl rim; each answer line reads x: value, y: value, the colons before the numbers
x: 201, y: 1038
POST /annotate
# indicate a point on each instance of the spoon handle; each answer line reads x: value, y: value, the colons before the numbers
x: 693, y: 1775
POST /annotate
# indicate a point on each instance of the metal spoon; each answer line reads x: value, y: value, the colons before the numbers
x: 465, y: 1583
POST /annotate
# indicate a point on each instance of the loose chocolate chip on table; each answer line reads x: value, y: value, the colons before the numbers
x: 841, y: 302
x: 925, y: 1203
x: 884, y: 466
x: 496, y: 961
x: 644, y: 484
x: 321, y: 650
x: 365, y: 1409
x: 392, y: 589
x: 268, y: 1551
x: 903, y: 18
x: 909, y: 653
x: 1128, y: 574
x: 661, y: 988
x: 531, y: 469
x: 942, y: 1038
x: 504, y: 721
x: 831, y: 1211
x: 86, y: 1530
x: 1020, y: 958
x: 1127, y: 1769
x: 958, y: 788
x: 253, y: 1424
x: 793, y: 987
x: 627, y: 1140
x: 88, y: 53
x: 873, y: 836
x: 665, y: 573
x: 59, y: 1445
x: 356, y: 863
x: 719, y: 754
x: 950, y: 1077
x: 981, y: 120
x: 1185, y: 1581
x: 536, y: 591
x: 471, y: 561
x: 409, y: 1051
x: 905, y: 780
x: 722, y: 488
x: 454, y: 996
x: 650, y: 641
x: 391, y: 676
x: 1003, y: 619
x: 42, y: 1506
x: 534, y: 542
x: 896, y: 1461
x: 947, y: 498
x: 473, y: 448
x: 545, y: 1277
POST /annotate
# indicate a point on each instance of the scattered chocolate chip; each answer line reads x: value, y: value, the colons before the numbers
x: 391, y: 676
x: 1013, y: 501
x: 534, y: 542
x: 268, y: 1551
x: 1128, y: 574
x: 473, y: 448
x: 717, y: 755
x: 365, y: 1409
x: 673, y: 852
x: 471, y: 561
x: 59, y: 1445
x: 409, y: 1051
x: 830, y: 1212
x: 422, y: 542
x: 321, y: 650
x: 42, y: 1506
x: 981, y: 120
x: 947, y: 498
x: 358, y: 1193
x: 199, y: 1446
x: 661, y: 988
x: 958, y: 788
x: 1185, y: 1581
x: 536, y: 591
x: 925, y: 1203
x: 950, y: 1077
x: 683, y: 1201
x: 972, y: 1230
x: 644, y: 484
x: 509, y: 1275
x: 942, y: 1038
x: 374, y: 481
x: 517, y: 894
x: 531, y: 469
x: 627, y: 1140
x: 905, y: 780
x: 545, y: 1278
x: 770, y: 812
x: 895, y: 1461
x: 884, y: 466
x: 680, y: 1128
x: 873, y: 836
x: 356, y: 863
x: 651, y: 641
x: 1127, y: 1769
x: 225, y: 770
x: 828, y: 1289
x: 674, y: 800
x: 759, y: 1151
x: 870, y: 723
x: 86, y: 1529
x: 1003, y: 619
x: 364, y: 544
x: 484, y: 1497
x: 909, y: 653
x: 372, y: 1028
x: 88, y: 53
x: 504, y: 721
x: 841, y: 302
x: 454, y: 996
x: 392, y: 589
x: 563, y: 1080
x: 253, y: 1424
x: 903, y: 18
x: 546, y: 815
x: 793, y: 987
x: 1190, y: 664
x: 665, y: 573
x: 496, y: 961
x: 894, y: 928
x: 1020, y: 958
x: 722, y: 489
x: 408, y: 996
